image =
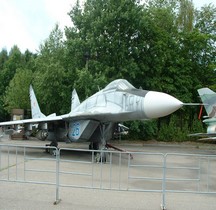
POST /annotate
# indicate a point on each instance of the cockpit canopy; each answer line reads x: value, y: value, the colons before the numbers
x: 119, y: 84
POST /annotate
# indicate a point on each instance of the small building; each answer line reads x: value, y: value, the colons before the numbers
x: 18, y: 114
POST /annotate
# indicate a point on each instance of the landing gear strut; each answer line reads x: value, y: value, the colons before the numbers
x: 102, y: 156
x: 51, y: 150
x: 94, y: 146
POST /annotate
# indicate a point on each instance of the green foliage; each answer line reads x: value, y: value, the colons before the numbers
x: 206, y: 19
x: 143, y: 130
x: 15, y: 60
x: 197, y: 126
x: 49, y: 82
x: 3, y: 58
x: 17, y: 93
x: 105, y: 34
x: 186, y: 16
x: 172, y: 131
x: 15, y: 77
x: 50, y: 78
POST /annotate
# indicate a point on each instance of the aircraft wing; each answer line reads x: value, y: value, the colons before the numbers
x: 205, y: 136
x: 98, y: 116
x: 208, y: 135
x: 31, y: 121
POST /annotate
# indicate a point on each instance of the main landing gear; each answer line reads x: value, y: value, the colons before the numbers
x: 100, y: 156
x: 49, y: 148
x: 103, y: 154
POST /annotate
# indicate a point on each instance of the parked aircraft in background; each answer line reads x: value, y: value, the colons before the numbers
x: 208, y: 98
x: 96, y: 118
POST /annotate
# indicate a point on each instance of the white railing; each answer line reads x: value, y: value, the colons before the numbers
x: 77, y: 168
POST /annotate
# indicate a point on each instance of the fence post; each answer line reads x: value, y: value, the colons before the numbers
x: 163, y: 205
x: 57, y: 200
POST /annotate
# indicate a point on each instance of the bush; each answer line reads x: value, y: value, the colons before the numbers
x: 143, y: 130
x: 172, y: 131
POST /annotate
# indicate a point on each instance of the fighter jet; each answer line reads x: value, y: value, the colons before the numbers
x: 208, y: 98
x: 96, y: 118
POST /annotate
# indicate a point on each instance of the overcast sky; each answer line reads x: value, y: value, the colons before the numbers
x: 27, y: 23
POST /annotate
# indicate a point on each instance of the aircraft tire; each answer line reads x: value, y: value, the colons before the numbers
x: 94, y: 146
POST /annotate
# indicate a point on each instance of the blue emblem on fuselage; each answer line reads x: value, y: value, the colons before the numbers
x: 76, y: 129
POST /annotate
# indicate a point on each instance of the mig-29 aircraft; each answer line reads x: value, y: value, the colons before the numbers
x: 96, y: 118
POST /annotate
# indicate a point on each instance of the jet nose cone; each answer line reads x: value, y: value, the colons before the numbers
x: 157, y: 104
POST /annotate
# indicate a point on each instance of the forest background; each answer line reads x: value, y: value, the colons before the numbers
x: 162, y: 45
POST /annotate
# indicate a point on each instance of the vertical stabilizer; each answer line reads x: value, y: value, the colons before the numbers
x: 75, y: 102
x: 208, y: 97
x: 35, y: 109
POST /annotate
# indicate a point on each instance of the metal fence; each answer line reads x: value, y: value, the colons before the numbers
x: 77, y: 168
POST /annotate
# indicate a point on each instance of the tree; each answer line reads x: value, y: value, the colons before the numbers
x: 105, y: 36
x: 50, y: 78
x: 198, y: 50
x: 8, y: 65
x: 15, y: 77
x: 14, y: 61
x: 3, y: 58
x: 17, y: 93
x: 185, y: 18
x: 206, y: 19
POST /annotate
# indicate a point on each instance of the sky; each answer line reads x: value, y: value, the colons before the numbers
x: 27, y: 23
